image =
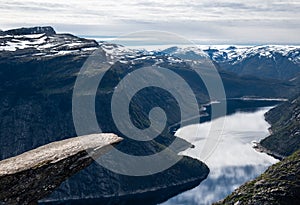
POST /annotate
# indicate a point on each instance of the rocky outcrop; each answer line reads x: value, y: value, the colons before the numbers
x: 285, y: 129
x: 27, y: 44
x: 34, y: 30
x: 280, y: 184
x: 31, y: 176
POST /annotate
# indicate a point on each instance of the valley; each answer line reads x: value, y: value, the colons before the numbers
x: 38, y: 71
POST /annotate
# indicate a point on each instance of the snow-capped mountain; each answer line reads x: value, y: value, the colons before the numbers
x: 236, y: 54
x: 42, y: 41
x: 270, y: 61
x: 132, y: 57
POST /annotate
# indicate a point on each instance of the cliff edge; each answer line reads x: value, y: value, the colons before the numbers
x: 28, y: 177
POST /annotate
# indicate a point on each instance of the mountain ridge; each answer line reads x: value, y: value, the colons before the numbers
x: 282, y: 62
x: 36, y: 94
x: 285, y: 128
x: 38, y: 73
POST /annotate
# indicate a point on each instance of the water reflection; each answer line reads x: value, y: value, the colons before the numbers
x: 233, y: 162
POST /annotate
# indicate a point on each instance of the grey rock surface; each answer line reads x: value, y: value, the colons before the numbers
x: 26, y: 178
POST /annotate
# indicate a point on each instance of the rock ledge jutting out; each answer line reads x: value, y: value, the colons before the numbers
x: 26, y: 178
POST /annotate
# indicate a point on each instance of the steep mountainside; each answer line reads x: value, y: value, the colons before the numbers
x: 279, y: 185
x: 38, y: 69
x: 285, y: 129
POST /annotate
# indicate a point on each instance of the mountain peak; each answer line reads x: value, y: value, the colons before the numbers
x: 48, y: 30
x: 36, y: 42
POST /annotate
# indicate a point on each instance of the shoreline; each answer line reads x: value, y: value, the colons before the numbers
x: 258, y: 147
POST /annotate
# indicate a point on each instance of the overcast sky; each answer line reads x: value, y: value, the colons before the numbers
x: 204, y: 21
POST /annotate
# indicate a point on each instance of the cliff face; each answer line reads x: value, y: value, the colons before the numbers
x: 285, y: 128
x: 38, y: 69
x: 34, y: 30
x: 280, y: 184
x: 26, y: 178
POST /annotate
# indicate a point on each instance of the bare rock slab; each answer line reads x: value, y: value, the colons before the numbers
x: 26, y: 178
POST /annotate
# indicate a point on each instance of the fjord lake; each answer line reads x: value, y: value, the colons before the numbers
x: 234, y: 161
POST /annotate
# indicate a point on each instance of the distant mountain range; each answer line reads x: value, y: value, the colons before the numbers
x: 38, y: 69
x: 39, y: 45
x: 270, y: 61
x: 266, y: 61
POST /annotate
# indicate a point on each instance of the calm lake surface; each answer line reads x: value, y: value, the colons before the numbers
x: 234, y: 161
x: 231, y: 163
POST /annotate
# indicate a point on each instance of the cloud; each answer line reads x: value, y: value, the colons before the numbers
x: 214, y: 19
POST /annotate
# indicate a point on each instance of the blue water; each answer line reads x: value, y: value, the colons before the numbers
x: 233, y: 162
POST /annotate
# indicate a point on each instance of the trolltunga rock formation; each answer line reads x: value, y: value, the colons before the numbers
x: 26, y: 178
